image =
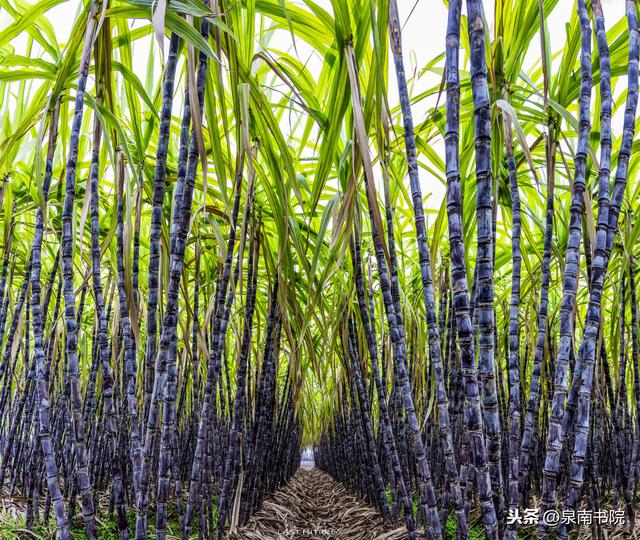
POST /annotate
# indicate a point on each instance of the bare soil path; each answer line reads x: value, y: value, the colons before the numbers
x: 316, y: 507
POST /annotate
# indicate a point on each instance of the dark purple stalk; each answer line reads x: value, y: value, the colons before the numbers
x: 71, y: 325
x: 570, y: 278
x: 164, y: 132
x: 473, y: 414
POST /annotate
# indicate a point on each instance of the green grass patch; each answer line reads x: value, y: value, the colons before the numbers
x: 14, y: 528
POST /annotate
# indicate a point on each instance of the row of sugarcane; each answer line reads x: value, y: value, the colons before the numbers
x: 164, y: 436
x: 572, y: 433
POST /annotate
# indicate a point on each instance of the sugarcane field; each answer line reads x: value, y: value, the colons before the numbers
x: 319, y: 269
